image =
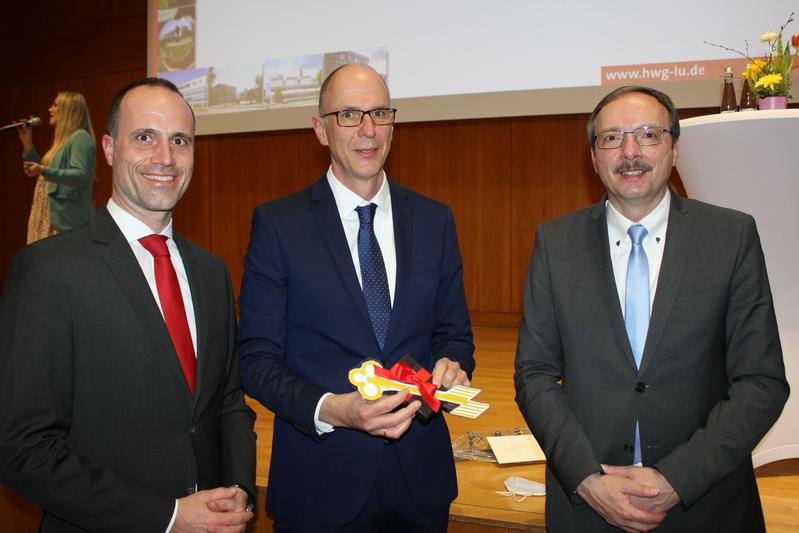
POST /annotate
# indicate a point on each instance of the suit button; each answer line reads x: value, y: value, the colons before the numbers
x: 640, y: 387
x: 192, y: 429
x: 628, y: 448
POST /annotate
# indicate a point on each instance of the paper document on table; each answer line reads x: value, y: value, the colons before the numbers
x: 516, y: 449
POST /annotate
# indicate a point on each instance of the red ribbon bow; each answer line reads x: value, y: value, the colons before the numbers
x: 405, y: 374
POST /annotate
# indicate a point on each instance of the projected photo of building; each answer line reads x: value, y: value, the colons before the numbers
x: 334, y: 60
x: 293, y: 81
x: 192, y: 84
x: 231, y: 87
x: 195, y: 90
x: 275, y: 83
x: 296, y: 81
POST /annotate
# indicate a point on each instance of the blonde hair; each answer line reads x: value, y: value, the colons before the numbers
x: 73, y: 114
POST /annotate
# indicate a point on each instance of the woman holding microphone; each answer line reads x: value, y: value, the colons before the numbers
x: 62, y: 199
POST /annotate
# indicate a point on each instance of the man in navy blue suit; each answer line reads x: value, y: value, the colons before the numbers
x: 353, y: 267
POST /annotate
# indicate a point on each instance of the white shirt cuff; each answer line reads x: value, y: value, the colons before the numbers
x: 321, y: 427
x: 174, y: 516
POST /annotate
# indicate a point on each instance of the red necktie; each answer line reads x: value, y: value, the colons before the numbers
x: 172, y: 305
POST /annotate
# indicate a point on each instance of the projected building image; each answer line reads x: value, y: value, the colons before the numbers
x: 275, y: 83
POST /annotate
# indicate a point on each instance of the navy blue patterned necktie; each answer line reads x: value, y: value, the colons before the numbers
x: 373, y: 274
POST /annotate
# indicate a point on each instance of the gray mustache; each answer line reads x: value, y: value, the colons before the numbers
x: 633, y: 165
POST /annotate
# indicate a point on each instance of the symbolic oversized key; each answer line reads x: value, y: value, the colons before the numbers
x: 457, y: 400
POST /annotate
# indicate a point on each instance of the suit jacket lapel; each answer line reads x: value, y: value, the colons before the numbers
x: 200, y: 304
x: 123, y: 265
x: 599, y: 253
x: 675, y: 256
x: 402, y: 214
x: 323, y: 207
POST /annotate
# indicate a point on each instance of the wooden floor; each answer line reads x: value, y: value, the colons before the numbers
x: 496, y: 347
x: 779, y: 491
x: 478, y: 508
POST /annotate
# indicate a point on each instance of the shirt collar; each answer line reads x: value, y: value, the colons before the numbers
x: 347, y: 201
x: 132, y: 228
x: 655, y: 222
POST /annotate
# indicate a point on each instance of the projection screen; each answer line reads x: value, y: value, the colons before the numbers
x: 249, y: 65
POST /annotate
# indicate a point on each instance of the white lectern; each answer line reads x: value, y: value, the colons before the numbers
x: 748, y: 161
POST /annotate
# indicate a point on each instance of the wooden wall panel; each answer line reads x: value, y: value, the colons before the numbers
x: 17, y: 515
x: 552, y: 175
x: 245, y: 170
x: 45, y: 40
x: 467, y: 164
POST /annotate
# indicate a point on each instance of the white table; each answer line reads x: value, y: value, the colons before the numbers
x: 748, y: 161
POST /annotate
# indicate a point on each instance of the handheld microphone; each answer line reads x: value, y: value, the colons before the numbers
x: 33, y: 121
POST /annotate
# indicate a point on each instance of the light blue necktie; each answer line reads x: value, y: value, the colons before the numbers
x: 636, y: 306
x: 373, y: 274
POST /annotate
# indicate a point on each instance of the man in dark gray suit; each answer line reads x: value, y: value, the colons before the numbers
x: 121, y: 406
x: 649, y: 364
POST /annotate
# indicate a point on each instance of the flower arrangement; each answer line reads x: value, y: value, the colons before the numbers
x: 770, y: 75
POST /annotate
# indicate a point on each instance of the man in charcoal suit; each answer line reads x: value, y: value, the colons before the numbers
x: 649, y: 364
x: 121, y: 407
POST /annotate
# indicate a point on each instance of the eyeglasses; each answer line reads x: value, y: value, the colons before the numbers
x: 643, y: 135
x: 349, y: 118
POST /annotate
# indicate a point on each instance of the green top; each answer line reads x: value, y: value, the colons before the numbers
x: 70, y: 181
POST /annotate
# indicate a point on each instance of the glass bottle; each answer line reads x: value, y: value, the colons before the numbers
x: 748, y: 98
x: 728, y: 104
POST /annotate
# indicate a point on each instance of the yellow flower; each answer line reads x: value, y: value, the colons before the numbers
x: 769, y: 81
x: 754, y: 69
x: 770, y: 74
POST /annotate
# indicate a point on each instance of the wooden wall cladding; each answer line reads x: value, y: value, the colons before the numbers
x: 466, y: 164
x: 244, y: 170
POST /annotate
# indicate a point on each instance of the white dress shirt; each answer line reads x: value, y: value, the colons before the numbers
x: 655, y: 223
x: 134, y: 229
x: 346, y: 202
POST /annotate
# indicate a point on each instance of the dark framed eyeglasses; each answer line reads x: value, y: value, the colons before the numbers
x: 348, y: 118
x: 643, y: 135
